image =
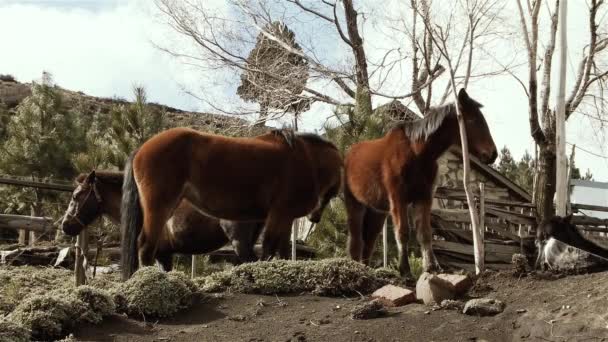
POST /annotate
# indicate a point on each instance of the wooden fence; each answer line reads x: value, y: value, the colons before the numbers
x: 508, y: 228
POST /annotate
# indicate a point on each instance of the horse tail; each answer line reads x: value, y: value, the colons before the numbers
x: 131, y: 221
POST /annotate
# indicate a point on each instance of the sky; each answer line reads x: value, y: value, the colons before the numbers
x: 105, y: 47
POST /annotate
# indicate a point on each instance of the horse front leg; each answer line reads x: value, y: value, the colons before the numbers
x: 402, y: 233
x: 424, y: 234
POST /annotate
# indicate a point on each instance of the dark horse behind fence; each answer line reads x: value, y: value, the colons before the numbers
x: 385, y: 175
x: 267, y: 178
x: 563, y: 230
x: 99, y: 193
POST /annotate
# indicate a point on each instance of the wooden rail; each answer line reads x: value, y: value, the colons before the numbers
x: 31, y: 223
x: 578, y: 207
x: 18, y: 181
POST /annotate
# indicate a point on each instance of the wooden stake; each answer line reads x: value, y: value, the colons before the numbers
x: 193, y: 267
x: 82, y: 249
x: 385, y: 244
x: 294, y: 237
x: 561, y: 190
x: 478, y: 237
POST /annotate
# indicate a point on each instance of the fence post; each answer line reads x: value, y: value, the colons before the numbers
x: 478, y: 235
x: 33, y: 236
x: 385, y: 244
x: 22, y: 236
x: 193, y: 267
x: 82, y: 248
x: 294, y: 237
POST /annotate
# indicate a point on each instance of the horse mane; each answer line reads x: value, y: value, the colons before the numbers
x: 315, y: 138
x: 288, y: 135
x: 113, y: 177
x: 422, y: 128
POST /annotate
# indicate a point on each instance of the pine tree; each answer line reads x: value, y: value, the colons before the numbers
x: 127, y: 128
x: 275, y: 77
x: 41, y: 139
x: 42, y: 136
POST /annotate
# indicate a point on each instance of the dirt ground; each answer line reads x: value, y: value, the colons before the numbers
x: 573, y: 308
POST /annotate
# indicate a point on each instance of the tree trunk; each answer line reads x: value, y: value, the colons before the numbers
x: 261, y: 122
x: 545, y: 182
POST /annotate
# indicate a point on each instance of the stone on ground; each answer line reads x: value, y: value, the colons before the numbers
x: 371, y: 309
x: 391, y: 295
x: 483, y: 307
x: 460, y: 283
x: 451, y: 304
x: 432, y: 289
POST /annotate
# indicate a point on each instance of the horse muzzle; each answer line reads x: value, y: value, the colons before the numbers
x: 71, y: 228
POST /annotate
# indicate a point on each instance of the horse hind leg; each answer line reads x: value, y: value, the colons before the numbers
x: 355, y: 214
x: 372, y: 226
x: 150, y: 236
x: 276, y: 227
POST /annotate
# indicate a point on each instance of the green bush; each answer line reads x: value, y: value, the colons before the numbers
x: 13, y: 332
x: 152, y: 292
x: 99, y: 303
x: 332, y: 277
x: 47, y: 316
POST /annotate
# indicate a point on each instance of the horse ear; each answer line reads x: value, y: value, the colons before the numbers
x: 463, y: 97
x: 91, y: 177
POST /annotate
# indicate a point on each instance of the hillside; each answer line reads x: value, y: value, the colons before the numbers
x: 13, y: 92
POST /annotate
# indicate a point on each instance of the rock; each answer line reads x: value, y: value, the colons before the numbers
x: 460, y: 283
x: 483, y: 307
x: 520, y: 263
x: 391, y: 295
x: 450, y: 304
x: 432, y: 290
x: 371, y: 309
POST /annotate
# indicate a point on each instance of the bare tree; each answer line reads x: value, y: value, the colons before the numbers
x: 591, y: 80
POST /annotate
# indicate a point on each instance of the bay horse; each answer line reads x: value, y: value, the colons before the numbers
x: 99, y: 193
x: 272, y: 178
x: 385, y: 175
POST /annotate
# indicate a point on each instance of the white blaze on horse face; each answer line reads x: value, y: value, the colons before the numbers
x: 73, y: 203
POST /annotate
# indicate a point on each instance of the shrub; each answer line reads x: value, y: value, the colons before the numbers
x: 99, y: 303
x: 47, y: 316
x: 152, y: 292
x: 13, y: 332
x: 332, y: 277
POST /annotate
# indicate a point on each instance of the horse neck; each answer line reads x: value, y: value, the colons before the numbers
x: 438, y: 142
x: 111, y: 196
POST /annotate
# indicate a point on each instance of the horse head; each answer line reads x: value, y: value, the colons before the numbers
x: 329, y: 172
x: 479, y: 137
x: 84, y: 207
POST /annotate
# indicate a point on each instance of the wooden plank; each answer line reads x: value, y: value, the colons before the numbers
x: 589, y: 207
x: 593, y: 229
x: 503, y: 230
x: 512, y: 217
x: 468, y: 249
x: 589, y: 221
x: 39, y: 224
x: 453, y: 215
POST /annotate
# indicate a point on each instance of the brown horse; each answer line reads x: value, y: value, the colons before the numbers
x: 267, y: 178
x: 387, y: 174
x: 99, y: 193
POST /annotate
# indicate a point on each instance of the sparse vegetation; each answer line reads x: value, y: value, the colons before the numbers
x: 152, y: 292
x: 330, y: 277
